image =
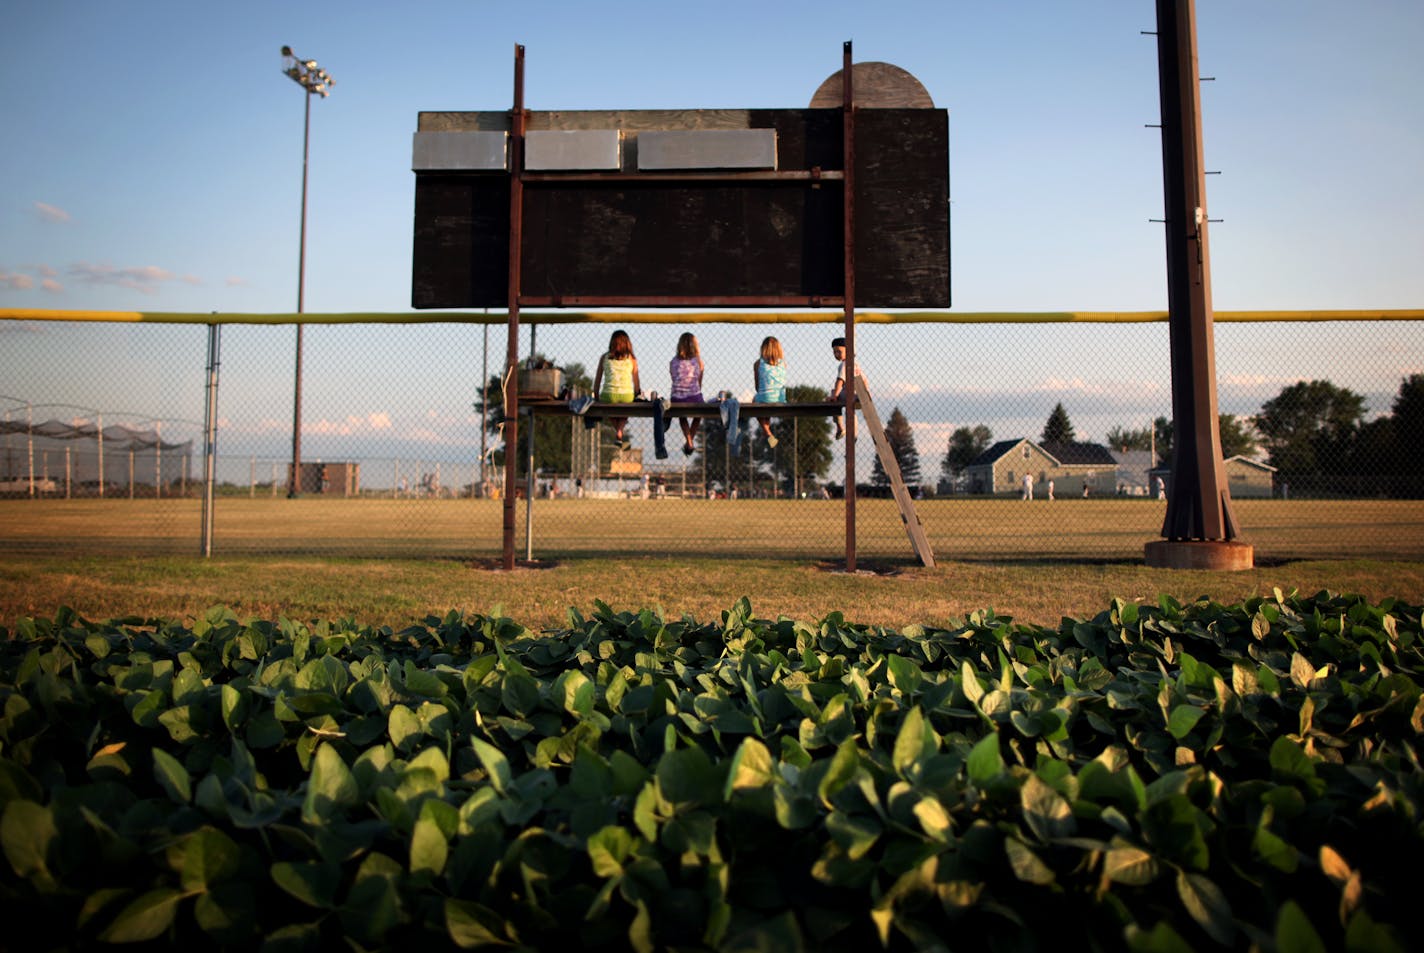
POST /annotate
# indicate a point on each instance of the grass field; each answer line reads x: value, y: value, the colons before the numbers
x: 1034, y: 561
x: 958, y: 529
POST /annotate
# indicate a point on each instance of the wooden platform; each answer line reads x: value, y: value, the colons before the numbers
x: 710, y: 409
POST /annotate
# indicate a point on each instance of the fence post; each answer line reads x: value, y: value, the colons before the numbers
x: 210, y: 437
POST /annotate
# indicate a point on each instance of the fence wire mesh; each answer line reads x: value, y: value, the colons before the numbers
x: 1016, y: 439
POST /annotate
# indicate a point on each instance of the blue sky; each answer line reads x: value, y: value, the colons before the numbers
x: 153, y: 156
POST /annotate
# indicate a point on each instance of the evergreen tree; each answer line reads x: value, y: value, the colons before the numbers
x: 902, y: 444
x: 1058, y: 429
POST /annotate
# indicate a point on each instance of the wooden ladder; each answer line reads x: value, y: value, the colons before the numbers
x: 918, y: 541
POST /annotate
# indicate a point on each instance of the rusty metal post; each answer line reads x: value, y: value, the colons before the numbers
x: 1198, y: 527
x: 511, y: 361
x: 848, y: 243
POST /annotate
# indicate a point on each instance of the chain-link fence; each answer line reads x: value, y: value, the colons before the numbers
x: 1017, y: 438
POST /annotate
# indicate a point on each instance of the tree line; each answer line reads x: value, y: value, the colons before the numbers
x: 1313, y: 433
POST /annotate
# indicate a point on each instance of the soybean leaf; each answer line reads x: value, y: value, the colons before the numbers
x: 208, y: 857
x: 1183, y: 719
x: 1271, y: 849
x: 1047, y: 813
x: 751, y: 768
x: 844, y: 765
x: 473, y: 925
x: 314, y: 884
x: 1026, y: 864
x: 608, y: 849
x: 495, y: 764
x: 905, y: 675
x: 145, y: 917
x: 1130, y: 865
x: 911, y: 742
x: 331, y: 788
x: 1207, y: 905
x: 429, y: 848
x: 404, y: 727
x: 933, y: 818
x: 27, y: 832
x: 1294, y: 931
x: 856, y: 834
x: 169, y: 772
x: 985, y: 762
x: 686, y: 776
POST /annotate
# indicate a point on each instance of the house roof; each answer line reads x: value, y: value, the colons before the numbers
x: 1065, y: 454
x: 1080, y: 454
x: 1251, y: 463
x: 1166, y: 468
x: 994, y: 452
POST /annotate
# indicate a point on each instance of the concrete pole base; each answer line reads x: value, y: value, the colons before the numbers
x: 1199, y: 554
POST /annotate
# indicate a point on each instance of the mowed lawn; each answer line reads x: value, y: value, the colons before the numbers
x: 383, y: 561
x: 960, y: 529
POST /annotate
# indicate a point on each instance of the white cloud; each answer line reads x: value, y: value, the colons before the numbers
x: 52, y: 286
x: 51, y: 213
x: 235, y: 282
x: 14, y: 282
x: 193, y: 280
x: 144, y: 278
x: 45, y: 271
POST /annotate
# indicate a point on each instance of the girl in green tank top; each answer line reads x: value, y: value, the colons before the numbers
x: 616, y: 381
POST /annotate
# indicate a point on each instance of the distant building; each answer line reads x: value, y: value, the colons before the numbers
x: 1133, y: 472
x: 1246, y: 478
x: 1071, y: 466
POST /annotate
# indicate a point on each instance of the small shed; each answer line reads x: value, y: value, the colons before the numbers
x: 1246, y: 478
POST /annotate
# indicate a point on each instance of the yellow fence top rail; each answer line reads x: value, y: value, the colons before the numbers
x: 683, y: 317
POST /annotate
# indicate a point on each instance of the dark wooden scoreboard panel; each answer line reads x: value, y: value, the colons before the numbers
x: 634, y: 235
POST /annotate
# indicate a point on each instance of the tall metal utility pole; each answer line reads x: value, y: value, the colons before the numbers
x: 1198, y: 530
x: 316, y: 82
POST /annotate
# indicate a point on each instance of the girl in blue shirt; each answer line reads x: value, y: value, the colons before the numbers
x: 769, y: 373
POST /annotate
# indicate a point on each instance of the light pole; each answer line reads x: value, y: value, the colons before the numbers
x: 315, y: 81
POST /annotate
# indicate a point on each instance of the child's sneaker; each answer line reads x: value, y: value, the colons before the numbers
x: 771, y: 441
x: 625, y: 444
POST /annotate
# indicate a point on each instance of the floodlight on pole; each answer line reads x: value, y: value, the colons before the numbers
x: 317, y: 82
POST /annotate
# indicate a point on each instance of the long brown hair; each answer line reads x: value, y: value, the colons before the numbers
x: 687, y: 346
x: 619, y: 347
x: 771, y: 351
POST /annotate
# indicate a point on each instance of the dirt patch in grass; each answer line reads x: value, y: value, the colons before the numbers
x: 497, y: 565
x: 882, y: 569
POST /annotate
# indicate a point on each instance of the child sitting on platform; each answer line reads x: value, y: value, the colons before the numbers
x: 616, y: 381
x: 769, y: 373
x: 686, y: 370
x: 838, y: 349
